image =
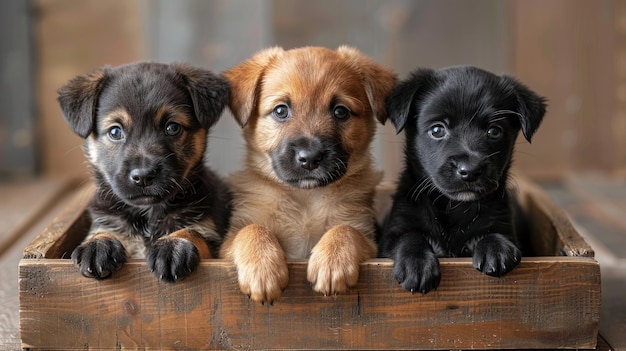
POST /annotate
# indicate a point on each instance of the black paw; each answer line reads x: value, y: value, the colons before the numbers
x: 172, y: 259
x: 417, y: 271
x: 99, y: 257
x: 496, y: 255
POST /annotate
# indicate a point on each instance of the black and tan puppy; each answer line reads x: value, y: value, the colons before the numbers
x: 145, y: 127
x: 461, y: 124
x: 306, y: 190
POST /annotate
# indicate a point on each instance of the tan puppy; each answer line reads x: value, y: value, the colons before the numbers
x: 306, y: 190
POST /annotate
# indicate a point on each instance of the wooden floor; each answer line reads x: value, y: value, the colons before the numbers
x: 596, y: 205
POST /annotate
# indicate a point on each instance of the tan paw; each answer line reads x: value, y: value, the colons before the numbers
x: 260, y: 261
x: 334, y: 262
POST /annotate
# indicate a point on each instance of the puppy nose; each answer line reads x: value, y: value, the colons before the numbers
x: 467, y: 171
x: 308, y: 158
x: 143, y: 177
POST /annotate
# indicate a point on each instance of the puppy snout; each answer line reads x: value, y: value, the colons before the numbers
x: 307, y: 153
x: 309, y: 158
x: 468, y: 171
x: 143, y: 177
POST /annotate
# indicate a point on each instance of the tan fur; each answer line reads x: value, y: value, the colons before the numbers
x: 273, y: 220
x: 260, y: 262
x: 334, y: 262
x: 196, y: 239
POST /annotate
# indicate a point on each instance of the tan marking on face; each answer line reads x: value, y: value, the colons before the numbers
x: 119, y: 117
x: 191, y: 144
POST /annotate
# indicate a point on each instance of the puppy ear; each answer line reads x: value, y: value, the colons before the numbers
x: 209, y: 93
x: 244, y: 80
x: 78, y: 100
x: 531, y: 107
x: 379, y: 81
x: 401, y: 99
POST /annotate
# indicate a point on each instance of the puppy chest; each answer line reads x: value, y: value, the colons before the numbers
x: 300, y: 226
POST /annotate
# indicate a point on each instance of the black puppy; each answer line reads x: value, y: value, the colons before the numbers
x: 460, y: 124
x: 145, y: 127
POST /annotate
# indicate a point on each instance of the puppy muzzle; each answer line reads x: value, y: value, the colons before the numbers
x: 309, y: 162
x: 467, y: 179
x: 146, y: 181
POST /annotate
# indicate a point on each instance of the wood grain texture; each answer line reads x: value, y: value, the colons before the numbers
x: 66, y: 231
x: 544, y: 303
x: 551, y: 301
x: 552, y: 233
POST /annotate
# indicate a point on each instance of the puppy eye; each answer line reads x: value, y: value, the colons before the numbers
x: 173, y: 129
x: 116, y: 133
x: 341, y: 112
x: 438, y: 131
x: 494, y: 132
x: 281, y: 112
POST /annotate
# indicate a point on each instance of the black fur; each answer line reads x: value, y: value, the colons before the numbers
x: 310, y: 162
x: 149, y: 183
x: 460, y: 124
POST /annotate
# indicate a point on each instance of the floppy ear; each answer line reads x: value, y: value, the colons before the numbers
x: 209, y: 93
x: 78, y: 100
x: 401, y: 99
x: 244, y: 80
x: 531, y: 107
x: 379, y: 81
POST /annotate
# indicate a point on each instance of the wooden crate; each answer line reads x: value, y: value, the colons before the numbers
x: 550, y: 301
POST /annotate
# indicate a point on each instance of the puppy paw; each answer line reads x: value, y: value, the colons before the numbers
x: 417, y: 271
x: 334, y: 262
x: 262, y: 270
x: 99, y: 256
x: 172, y: 259
x: 495, y: 255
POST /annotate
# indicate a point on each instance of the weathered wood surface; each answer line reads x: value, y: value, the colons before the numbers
x: 551, y: 231
x: 551, y: 301
x: 544, y: 303
x: 66, y: 231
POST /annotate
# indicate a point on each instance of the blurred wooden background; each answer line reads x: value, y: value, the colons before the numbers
x: 571, y: 51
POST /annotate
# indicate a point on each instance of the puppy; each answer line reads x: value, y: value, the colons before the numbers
x: 306, y: 190
x: 145, y: 127
x: 461, y: 125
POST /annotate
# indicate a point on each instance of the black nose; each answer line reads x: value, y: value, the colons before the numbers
x: 467, y: 171
x: 308, y: 158
x: 143, y: 177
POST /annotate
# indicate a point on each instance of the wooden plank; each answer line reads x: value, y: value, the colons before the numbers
x: 9, y: 259
x: 575, y: 44
x: 552, y: 232
x: 547, y: 302
x: 544, y: 303
x: 74, y: 37
x: 66, y: 231
x: 23, y: 203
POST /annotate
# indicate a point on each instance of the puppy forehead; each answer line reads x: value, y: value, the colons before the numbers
x: 466, y: 98
x: 318, y: 76
x: 161, y: 115
x: 143, y: 90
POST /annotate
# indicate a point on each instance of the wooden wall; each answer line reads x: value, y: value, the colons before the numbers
x: 571, y: 51
x: 72, y: 38
x: 568, y: 50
